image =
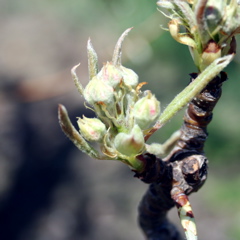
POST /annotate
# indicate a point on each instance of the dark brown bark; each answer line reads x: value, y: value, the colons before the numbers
x: 183, y: 170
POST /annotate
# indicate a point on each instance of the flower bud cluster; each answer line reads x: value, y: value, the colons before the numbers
x: 123, y: 111
x: 209, y: 25
x: 121, y: 108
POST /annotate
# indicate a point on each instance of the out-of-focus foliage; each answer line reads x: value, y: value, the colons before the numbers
x: 39, y: 43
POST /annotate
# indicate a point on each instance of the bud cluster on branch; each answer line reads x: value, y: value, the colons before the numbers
x: 126, y: 116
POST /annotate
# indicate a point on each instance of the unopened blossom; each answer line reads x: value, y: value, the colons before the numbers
x: 130, y: 144
x: 92, y: 129
x: 146, y: 111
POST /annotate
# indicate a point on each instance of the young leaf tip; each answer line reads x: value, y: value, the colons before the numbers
x: 75, y: 79
x: 89, y: 45
x: 62, y: 113
x: 73, y: 70
x: 116, y: 59
x: 61, y: 109
x: 92, y: 60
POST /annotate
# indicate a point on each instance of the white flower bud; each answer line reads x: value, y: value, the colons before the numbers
x: 92, y: 129
x: 146, y: 111
x: 130, y: 144
x: 98, y: 91
x: 111, y: 75
x: 130, y: 78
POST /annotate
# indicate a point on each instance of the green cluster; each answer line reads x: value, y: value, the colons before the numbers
x: 125, y: 116
x: 123, y: 111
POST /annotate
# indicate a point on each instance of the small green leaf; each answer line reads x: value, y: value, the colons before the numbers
x: 74, y: 135
x: 92, y: 60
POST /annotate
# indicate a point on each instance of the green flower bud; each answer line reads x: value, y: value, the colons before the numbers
x: 146, y: 111
x: 111, y: 75
x: 98, y: 91
x: 130, y: 144
x: 130, y: 78
x: 92, y: 129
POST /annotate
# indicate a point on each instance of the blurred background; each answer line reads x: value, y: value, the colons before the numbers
x: 51, y: 191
